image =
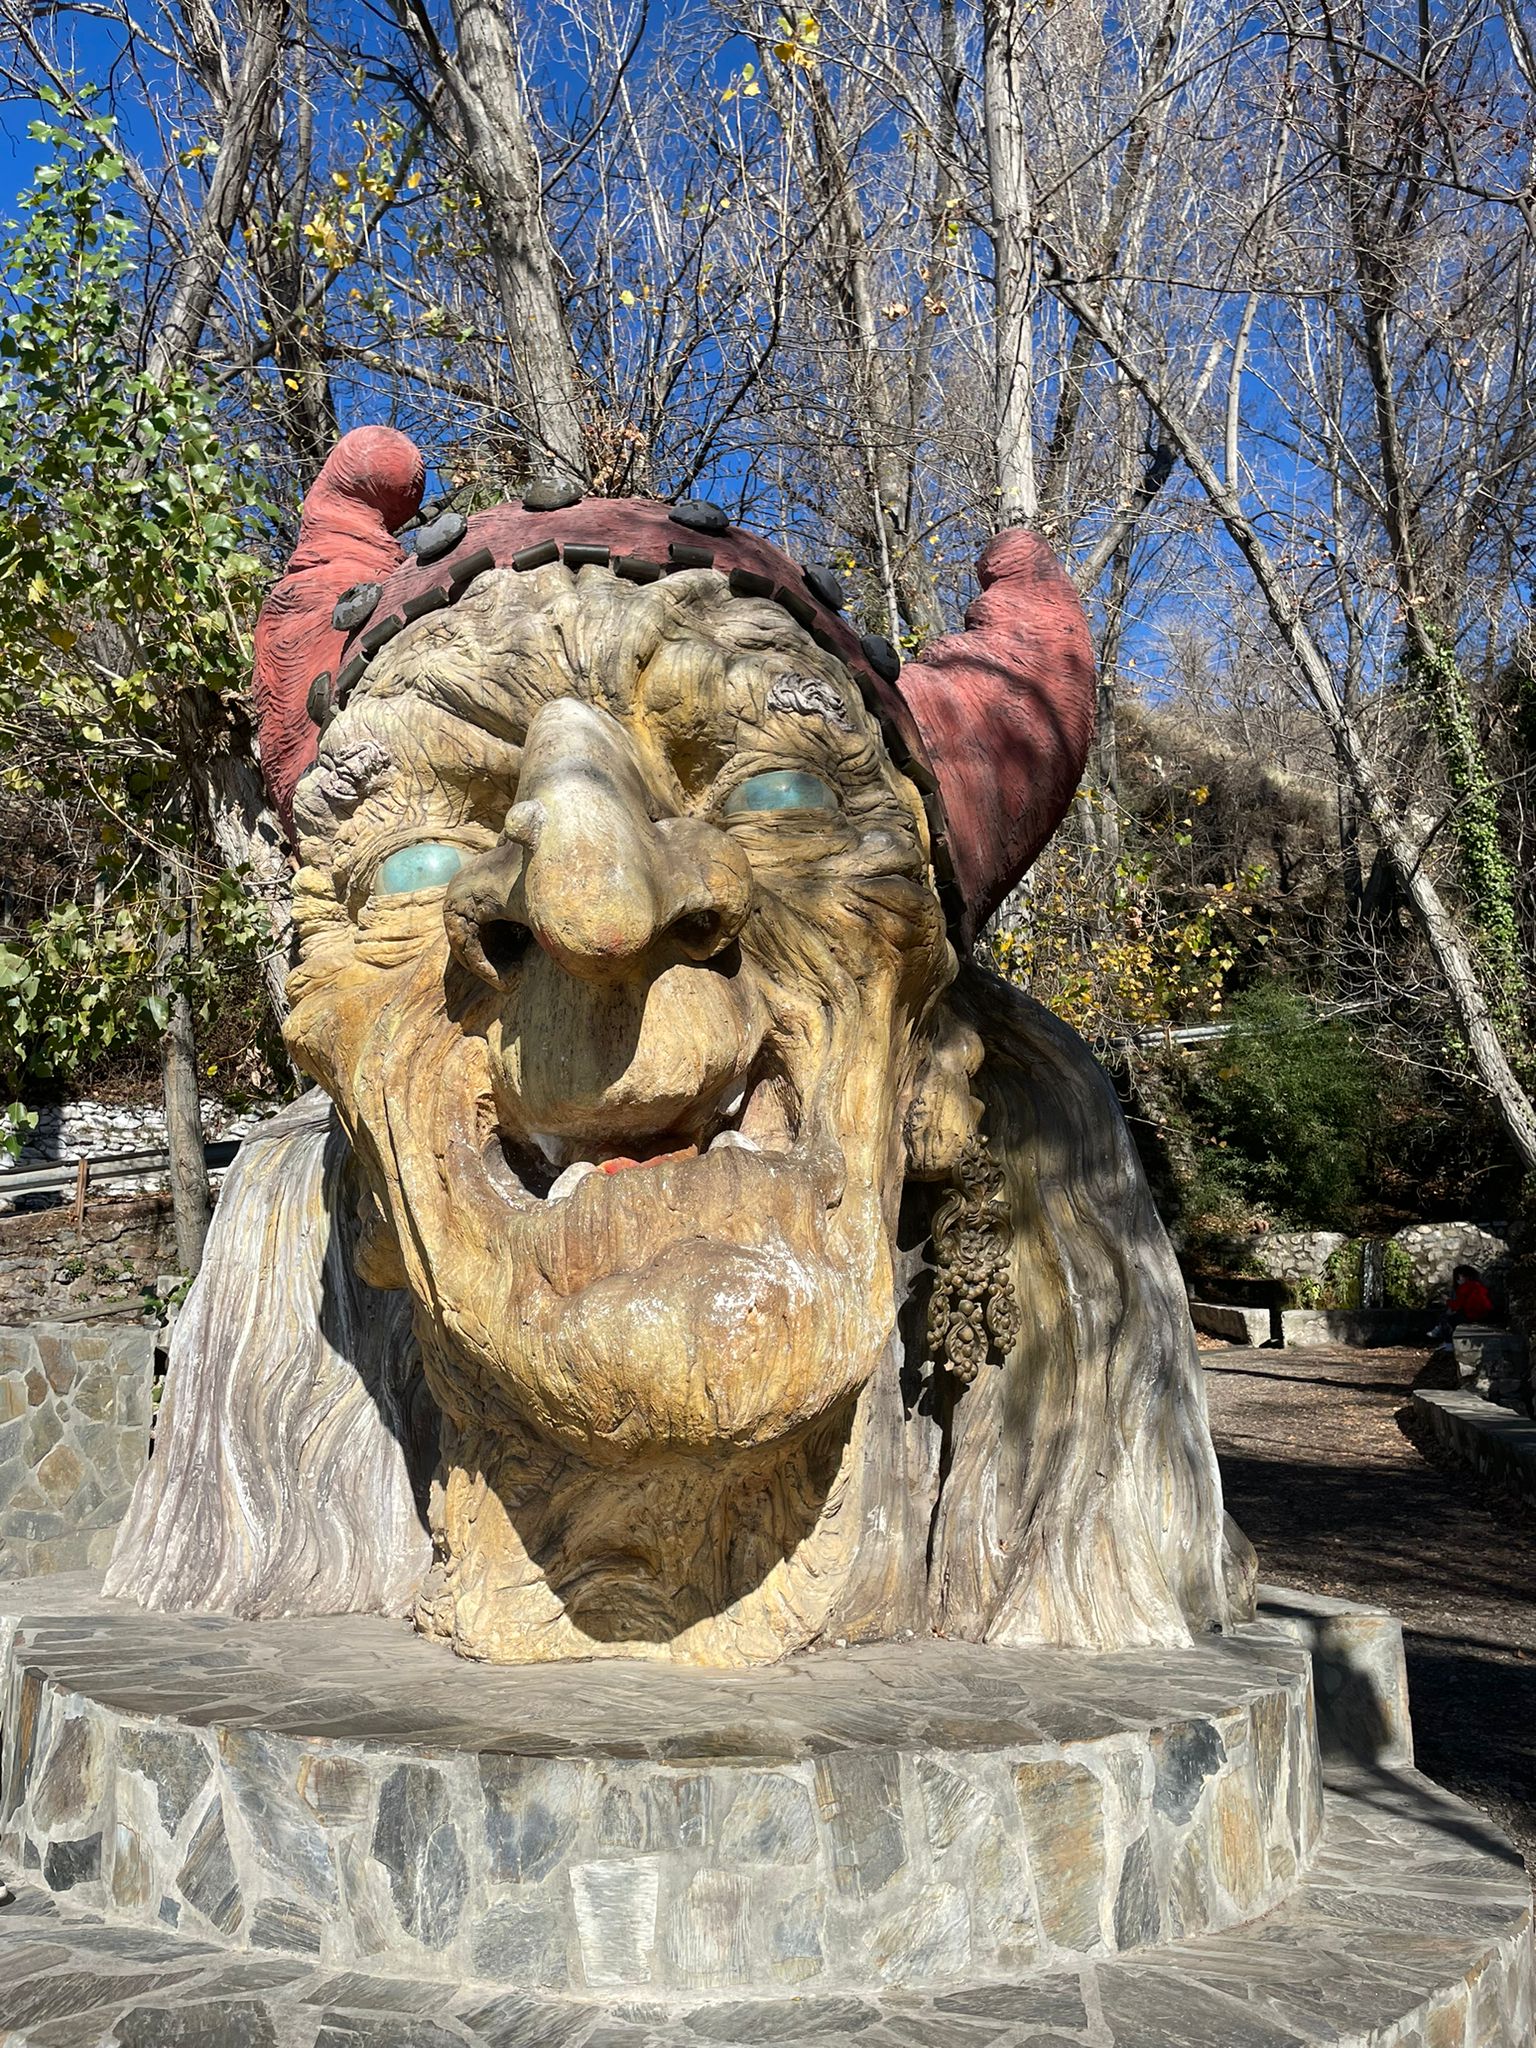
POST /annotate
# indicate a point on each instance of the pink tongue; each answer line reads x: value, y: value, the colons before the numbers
x: 656, y: 1159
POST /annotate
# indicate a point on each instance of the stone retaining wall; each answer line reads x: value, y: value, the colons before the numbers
x: 1226, y: 1319
x: 1285, y: 1254
x: 76, y: 1402
x: 1362, y: 1326
x: 103, y: 1269
x: 1432, y: 1250
x: 82, y: 1130
x: 1435, y: 1248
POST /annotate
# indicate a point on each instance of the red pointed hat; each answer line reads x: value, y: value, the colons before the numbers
x: 992, y: 723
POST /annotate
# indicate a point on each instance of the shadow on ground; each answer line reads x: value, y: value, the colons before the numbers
x: 1338, y: 1500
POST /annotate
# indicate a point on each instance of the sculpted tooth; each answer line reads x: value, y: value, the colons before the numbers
x: 735, y: 1102
x: 550, y: 1146
x: 741, y: 1143
x: 568, y: 1181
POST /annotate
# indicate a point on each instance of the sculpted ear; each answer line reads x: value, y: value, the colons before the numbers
x: 945, y: 1115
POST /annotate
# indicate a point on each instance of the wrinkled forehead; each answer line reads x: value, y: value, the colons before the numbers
x: 694, y: 673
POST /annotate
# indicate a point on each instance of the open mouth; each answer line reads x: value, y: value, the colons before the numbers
x: 761, y: 1114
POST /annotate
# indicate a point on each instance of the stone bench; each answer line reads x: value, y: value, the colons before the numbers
x: 1231, y: 1320
x: 1493, y: 1363
x: 1492, y: 1439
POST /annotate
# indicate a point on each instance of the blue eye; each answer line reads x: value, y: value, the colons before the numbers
x: 781, y: 789
x: 427, y: 865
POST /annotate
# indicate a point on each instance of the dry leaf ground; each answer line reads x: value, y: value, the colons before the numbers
x: 1321, y: 1471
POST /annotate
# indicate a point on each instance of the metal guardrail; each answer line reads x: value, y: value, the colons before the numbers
x: 74, y: 1176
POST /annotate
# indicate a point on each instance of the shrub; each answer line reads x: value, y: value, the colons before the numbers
x: 1289, y: 1110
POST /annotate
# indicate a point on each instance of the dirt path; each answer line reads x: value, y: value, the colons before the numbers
x: 1337, y: 1499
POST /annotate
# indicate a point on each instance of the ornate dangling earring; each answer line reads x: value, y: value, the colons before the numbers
x: 972, y: 1309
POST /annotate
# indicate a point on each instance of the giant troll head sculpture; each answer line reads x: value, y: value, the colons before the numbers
x: 629, y: 879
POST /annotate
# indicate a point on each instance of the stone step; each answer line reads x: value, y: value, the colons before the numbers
x: 900, y: 1814
x: 1495, y: 1441
x: 1412, y: 1930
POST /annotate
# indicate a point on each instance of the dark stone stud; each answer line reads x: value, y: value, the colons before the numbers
x: 551, y: 494
x: 699, y: 515
x: 682, y: 557
x: 441, y: 537
x: 635, y: 568
x: 425, y: 601
x: 824, y: 586
x: 579, y: 556
x: 747, y: 583
x: 350, y: 675
x: 380, y: 635
x: 355, y: 607
x: 539, y: 556
x: 799, y: 607
x: 465, y: 572
x: 320, y: 702
x: 824, y: 637
x: 881, y: 656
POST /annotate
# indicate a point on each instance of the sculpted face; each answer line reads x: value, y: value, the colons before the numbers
x: 624, y: 967
x: 620, y: 962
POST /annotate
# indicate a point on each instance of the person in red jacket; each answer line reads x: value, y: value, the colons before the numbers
x: 1470, y: 1302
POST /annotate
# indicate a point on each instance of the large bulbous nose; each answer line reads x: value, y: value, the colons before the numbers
x: 586, y: 869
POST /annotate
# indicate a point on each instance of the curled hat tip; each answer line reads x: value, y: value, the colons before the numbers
x: 1019, y: 551
x: 374, y: 466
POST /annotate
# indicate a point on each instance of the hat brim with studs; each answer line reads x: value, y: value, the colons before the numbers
x: 991, y: 723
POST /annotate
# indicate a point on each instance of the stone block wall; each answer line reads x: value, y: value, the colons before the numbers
x: 84, y: 1130
x: 103, y: 1268
x: 1435, y: 1248
x: 1282, y: 1254
x: 1432, y: 1249
x: 76, y: 1403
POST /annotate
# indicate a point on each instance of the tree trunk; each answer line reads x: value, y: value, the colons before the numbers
x: 882, y: 525
x: 503, y: 163
x: 190, y: 1201
x: 1386, y: 205
x: 250, y: 838
x: 1105, y: 736
x: 202, y: 265
x: 226, y: 783
x: 1012, y: 261
x: 1127, y: 207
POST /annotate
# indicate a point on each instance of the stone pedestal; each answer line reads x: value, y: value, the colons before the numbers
x: 76, y: 1400
x: 334, y: 1834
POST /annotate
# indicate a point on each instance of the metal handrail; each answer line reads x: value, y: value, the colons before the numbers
x: 65, y: 1178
